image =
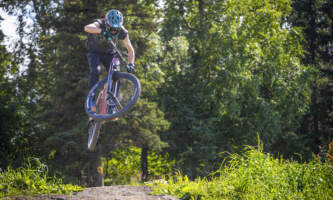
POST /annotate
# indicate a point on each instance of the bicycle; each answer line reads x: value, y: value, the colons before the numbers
x: 110, y: 97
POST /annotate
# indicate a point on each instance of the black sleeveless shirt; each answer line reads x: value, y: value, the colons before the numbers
x: 98, y: 44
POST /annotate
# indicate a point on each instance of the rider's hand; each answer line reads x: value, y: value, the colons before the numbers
x: 130, y: 68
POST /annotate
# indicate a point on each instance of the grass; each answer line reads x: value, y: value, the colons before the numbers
x: 32, y: 179
x: 255, y: 175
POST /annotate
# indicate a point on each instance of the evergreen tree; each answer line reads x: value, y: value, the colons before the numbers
x: 316, y: 20
x: 15, y: 142
x: 8, y: 111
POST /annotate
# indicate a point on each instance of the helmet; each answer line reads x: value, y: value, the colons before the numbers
x: 114, y: 18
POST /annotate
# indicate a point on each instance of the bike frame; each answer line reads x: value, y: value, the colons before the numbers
x: 107, y: 91
x: 102, y: 100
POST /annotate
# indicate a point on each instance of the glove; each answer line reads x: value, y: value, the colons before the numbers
x: 130, y: 68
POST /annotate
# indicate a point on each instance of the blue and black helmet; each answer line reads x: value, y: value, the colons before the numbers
x: 114, y: 19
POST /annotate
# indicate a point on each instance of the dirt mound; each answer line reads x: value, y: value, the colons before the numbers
x: 105, y: 193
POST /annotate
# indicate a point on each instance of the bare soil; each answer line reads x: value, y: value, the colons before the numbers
x: 120, y: 192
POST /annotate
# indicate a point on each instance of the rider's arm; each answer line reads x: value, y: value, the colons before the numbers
x: 130, y: 50
x: 93, y: 28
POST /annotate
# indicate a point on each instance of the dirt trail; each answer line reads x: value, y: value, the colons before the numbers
x: 104, y: 193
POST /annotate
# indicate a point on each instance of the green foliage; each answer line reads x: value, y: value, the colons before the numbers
x: 255, y: 175
x: 315, y: 18
x: 241, y: 77
x: 15, y: 137
x: 9, y: 112
x: 124, y: 166
x: 32, y: 178
x: 141, y: 127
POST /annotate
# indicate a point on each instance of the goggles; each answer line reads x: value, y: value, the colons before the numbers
x: 114, y: 29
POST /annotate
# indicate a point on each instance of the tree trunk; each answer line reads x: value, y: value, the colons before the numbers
x: 95, y: 171
x: 144, y: 164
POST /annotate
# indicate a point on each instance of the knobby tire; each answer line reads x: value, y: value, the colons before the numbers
x: 93, y: 135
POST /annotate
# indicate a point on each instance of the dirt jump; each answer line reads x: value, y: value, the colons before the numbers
x: 103, y: 193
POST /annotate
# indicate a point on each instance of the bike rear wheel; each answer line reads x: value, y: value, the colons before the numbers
x: 95, y: 126
x: 124, y: 93
x: 93, y: 131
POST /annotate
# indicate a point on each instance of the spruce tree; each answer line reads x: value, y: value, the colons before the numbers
x: 316, y: 20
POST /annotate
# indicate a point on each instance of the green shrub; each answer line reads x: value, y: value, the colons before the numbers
x: 32, y: 178
x: 124, y: 166
x: 255, y: 175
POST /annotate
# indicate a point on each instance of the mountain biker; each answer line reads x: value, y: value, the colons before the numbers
x: 100, y: 31
x: 99, y: 50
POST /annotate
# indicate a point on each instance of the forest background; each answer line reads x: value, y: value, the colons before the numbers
x: 215, y: 75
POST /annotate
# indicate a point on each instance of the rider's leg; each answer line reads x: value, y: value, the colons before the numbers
x: 94, y: 66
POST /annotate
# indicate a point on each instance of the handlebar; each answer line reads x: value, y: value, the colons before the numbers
x: 120, y: 56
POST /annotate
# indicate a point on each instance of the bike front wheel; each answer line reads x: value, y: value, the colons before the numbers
x: 125, y: 91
